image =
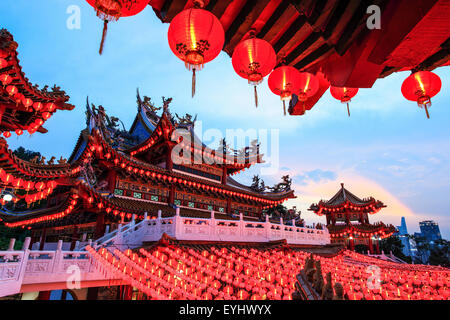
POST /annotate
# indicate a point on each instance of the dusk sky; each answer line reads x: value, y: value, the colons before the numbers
x: 387, y: 149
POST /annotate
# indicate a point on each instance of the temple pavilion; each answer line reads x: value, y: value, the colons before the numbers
x: 348, y: 220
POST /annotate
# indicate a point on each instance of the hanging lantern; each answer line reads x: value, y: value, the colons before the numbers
x: 112, y: 10
x: 421, y: 86
x: 12, y: 90
x: 196, y: 37
x: 308, y: 85
x: 253, y: 59
x: 284, y: 81
x: 5, y: 79
x: 3, y: 63
x: 343, y: 94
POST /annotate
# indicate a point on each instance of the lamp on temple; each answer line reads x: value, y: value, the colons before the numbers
x: 308, y: 85
x: 284, y: 81
x: 196, y: 37
x: 253, y: 59
x: 343, y: 94
x: 112, y: 10
x: 421, y: 86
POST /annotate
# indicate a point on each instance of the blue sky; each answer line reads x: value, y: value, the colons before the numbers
x: 387, y: 148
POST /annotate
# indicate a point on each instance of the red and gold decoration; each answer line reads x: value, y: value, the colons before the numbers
x: 22, y: 105
x: 344, y: 95
x: 253, y: 59
x: 196, y: 37
x: 112, y: 10
x: 284, y: 81
x: 421, y: 86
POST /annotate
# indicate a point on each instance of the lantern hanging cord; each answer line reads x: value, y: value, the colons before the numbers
x: 426, y: 110
x: 348, y: 109
x: 256, y: 97
x: 284, y: 108
x: 105, y: 30
x: 193, y: 82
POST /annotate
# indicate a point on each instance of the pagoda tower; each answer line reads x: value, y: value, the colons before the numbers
x: 348, y: 220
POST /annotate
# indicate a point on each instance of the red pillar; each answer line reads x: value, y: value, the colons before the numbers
x: 229, y: 205
x: 128, y: 294
x: 169, y: 162
x: 44, y: 295
x: 378, y: 246
x: 352, y: 244
x: 100, y: 225
x: 171, y: 194
x: 224, y: 174
x: 43, y: 236
x: 112, y: 175
x: 370, y: 245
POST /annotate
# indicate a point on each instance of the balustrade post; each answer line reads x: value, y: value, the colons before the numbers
x: 145, y: 215
x: 212, y: 226
x: 26, y: 243
x: 57, y: 257
x: 12, y: 242
x: 241, y: 225
x: 158, y: 231
x: 267, y: 226
x: 177, y: 223
x: 133, y: 219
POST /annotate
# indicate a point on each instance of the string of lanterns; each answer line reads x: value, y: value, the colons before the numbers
x: 196, y: 36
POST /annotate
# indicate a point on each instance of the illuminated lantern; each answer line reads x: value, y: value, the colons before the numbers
x: 19, y: 132
x: 196, y: 37
x: 5, y: 79
x: 421, y: 86
x: 37, y: 106
x: 50, y: 107
x: 7, y: 134
x: 284, y: 81
x: 27, y: 102
x: 112, y: 10
x: 308, y: 86
x: 253, y: 59
x: 343, y: 94
x: 12, y: 90
x: 46, y: 115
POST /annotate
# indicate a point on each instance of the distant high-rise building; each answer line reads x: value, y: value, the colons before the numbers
x: 409, y: 245
x: 402, y: 229
x: 430, y: 230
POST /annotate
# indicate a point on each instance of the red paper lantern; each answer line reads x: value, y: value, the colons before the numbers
x: 112, y: 10
x: 421, y: 86
x: 5, y: 79
x: 343, y: 94
x: 284, y: 81
x: 7, y: 134
x: 12, y: 90
x: 3, y: 63
x: 19, y: 132
x: 253, y: 59
x: 196, y: 37
x: 308, y: 86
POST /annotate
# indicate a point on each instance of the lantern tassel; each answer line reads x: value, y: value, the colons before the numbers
x: 284, y: 108
x: 256, y: 97
x: 348, y: 110
x: 426, y: 110
x: 193, y: 82
x: 105, y: 30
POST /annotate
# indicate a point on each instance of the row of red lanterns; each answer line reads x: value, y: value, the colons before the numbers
x: 196, y: 36
x: 47, y: 218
